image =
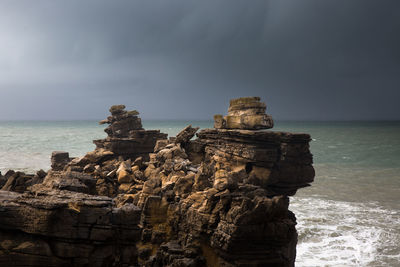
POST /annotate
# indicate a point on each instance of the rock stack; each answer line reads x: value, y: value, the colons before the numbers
x: 245, y: 113
x: 126, y: 136
x: 278, y: 162
x: 218, y: 200
x: 225, y: 194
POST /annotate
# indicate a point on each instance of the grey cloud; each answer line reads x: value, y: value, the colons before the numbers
x: 186, y: 59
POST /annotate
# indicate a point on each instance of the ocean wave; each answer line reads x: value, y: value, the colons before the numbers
x: 337, y: 233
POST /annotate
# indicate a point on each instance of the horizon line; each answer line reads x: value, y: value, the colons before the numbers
x: 208, y: 120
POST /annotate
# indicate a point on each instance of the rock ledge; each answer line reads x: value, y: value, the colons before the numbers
x: 140, y: 199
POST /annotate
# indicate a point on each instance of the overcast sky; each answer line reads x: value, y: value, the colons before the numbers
x: 314, y: 60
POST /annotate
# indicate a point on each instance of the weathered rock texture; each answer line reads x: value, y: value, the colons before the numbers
x: 218, y: 200
x: 63, y: 228
x: 19, y: 181
x: 245, y: 113
x: 126, y: 137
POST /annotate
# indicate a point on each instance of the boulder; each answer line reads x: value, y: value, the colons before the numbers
x: 117, y: 109
x: 98, y: 156
x: 124, y: 173
x: 59, y: 159
x: 17, y: 181
x: 245, y: 113
x: 186, y: 134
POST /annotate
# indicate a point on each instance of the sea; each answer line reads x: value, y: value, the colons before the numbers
x: 350, y: 216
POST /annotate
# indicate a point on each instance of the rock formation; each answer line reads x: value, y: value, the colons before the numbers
x: 63, y: 228
x: 126, y: 137
x: 245, y: 113
x: 19, y: 181
x: 218, y: 200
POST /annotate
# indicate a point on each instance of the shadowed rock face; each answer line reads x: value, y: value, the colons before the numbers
x: 63, y: 228
x: 218, y: 200
x: 19, y: 181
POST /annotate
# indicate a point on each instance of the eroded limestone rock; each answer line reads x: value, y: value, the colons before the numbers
x: 64, y: 228
x: 126, y: 136
x: 19, y: 181
x: 245, y: 113
x: 141, y: 199
x: 59, y: 159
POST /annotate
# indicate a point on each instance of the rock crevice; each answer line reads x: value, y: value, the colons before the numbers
x: 140, y: 199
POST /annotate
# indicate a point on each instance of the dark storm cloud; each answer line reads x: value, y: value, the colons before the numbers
x: 186, y: 59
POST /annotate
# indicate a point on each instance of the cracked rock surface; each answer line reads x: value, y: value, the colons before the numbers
x: 140, y: 199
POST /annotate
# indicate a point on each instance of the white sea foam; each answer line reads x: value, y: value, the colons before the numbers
x: 334, y: 233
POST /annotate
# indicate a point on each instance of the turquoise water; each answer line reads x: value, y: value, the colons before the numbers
x: 27, y: 145
x: 350, y: 216
x: 354, y: 161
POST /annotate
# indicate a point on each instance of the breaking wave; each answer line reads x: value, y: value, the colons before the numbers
x: 337, y: 233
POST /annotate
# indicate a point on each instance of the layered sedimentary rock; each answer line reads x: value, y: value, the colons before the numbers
x: 276, y: 161
x: 59, y: 159
x: 126, y: 137
x: 218, y: 200
x: 63, y: 228
x: 245, y: 113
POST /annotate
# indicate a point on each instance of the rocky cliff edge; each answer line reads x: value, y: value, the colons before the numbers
x: 140, y: 199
